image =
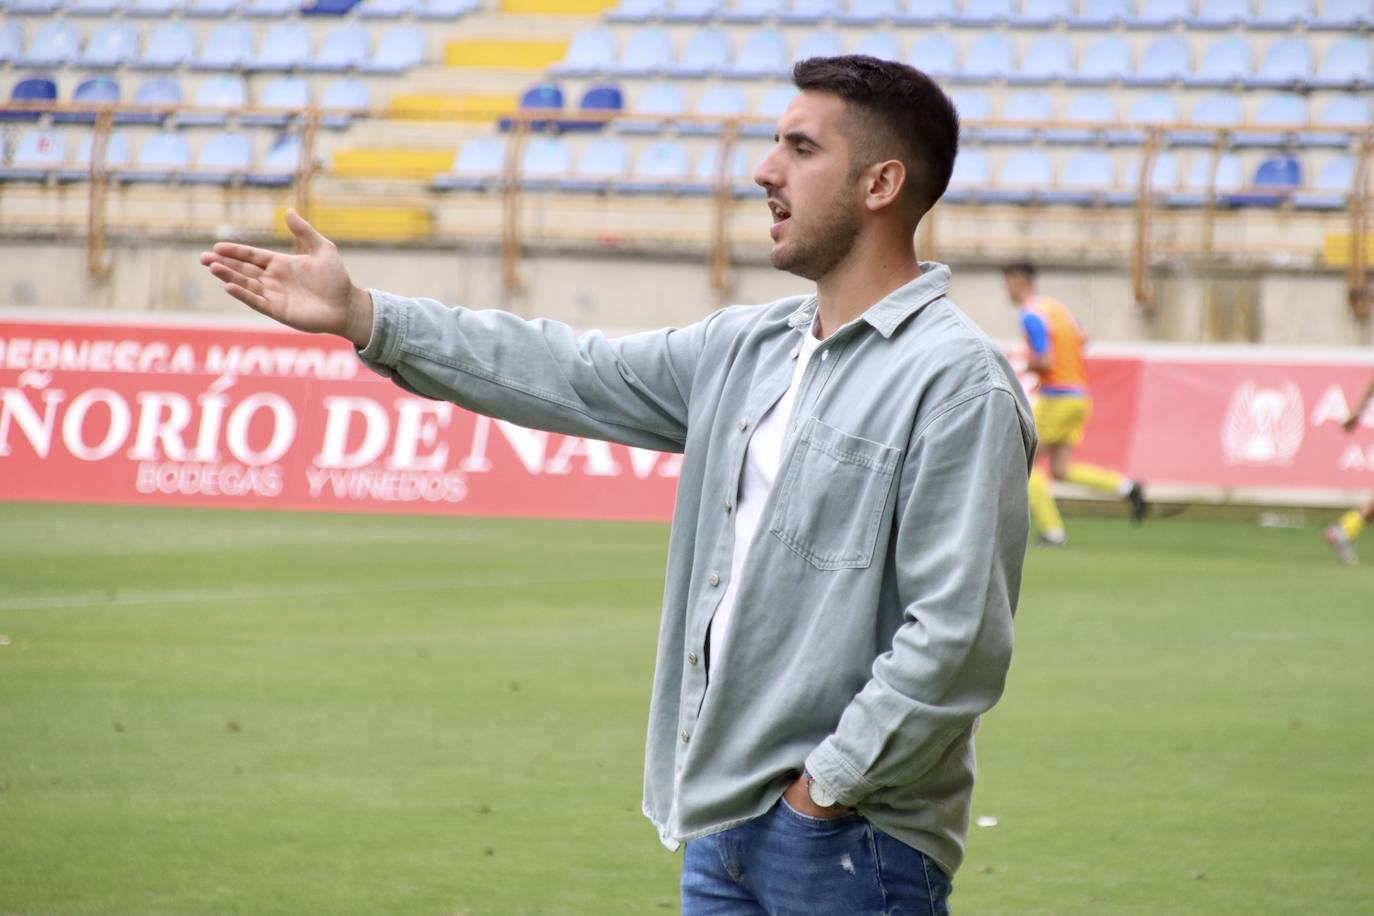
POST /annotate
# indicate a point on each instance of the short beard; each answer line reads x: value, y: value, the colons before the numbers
x: 817, y: 255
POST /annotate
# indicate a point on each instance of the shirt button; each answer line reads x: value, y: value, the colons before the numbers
x: 686, y: 736
x: 728, y: 506
x: 793, y: 354
x: 714, y: 580
x: 691, y: 658
x: 825, y: 354
x: 743, y: 424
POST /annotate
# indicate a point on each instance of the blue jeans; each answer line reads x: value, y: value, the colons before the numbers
x: 788, y: 864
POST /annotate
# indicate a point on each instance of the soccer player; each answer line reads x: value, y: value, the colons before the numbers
x: 850, y: 521
x: 1341, y: 536
x: 1055, y: 341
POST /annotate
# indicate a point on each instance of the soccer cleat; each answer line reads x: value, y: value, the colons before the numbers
x: 1139, y: 507
x: 1335, y: 536
x: 1046, y: 541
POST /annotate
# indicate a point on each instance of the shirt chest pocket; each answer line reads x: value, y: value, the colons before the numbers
x: 831, y: 500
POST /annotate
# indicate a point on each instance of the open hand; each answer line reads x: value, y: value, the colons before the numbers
x: 309, y: 292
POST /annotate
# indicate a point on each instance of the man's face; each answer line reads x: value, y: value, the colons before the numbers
x: 813, y: 191
x: 1018, y: 287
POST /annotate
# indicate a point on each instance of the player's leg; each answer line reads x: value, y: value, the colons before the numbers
x: 1072, y: 420
x: 1342, y: 535
x: 1043, y: 511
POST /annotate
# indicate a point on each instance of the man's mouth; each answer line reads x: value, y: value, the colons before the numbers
x: 780, y: 215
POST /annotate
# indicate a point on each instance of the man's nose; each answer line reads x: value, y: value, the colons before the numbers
x: 766, y: 175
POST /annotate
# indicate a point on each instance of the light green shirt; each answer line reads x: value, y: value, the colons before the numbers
x: 873, y: 623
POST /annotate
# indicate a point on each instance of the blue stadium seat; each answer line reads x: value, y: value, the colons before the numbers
x: 34, y: 7
x: 155, y: 92
x: 869, y: 12
x: 270, y: 9
x: 646, y: 53
x: 660, y: 168
x: 288, y: 95
x: 985, y: 12
x: 33, y: 90
x: 540, y: 97
x: 818, y: 43
x: 170, y: 45
x: 936, y: 55
x: 1150, y: 110
x: 591, y: 52
x: 1085, y: 179
x: 1333, y: 188
x: 691, y: 11
x: 1199, y: 177
x: 1226, y: 62
x: 1023, y: 179
x: 402, y: 48
x: 723, y: 101
x: 1276, y: 180
x: 599, y: 100
x: 1216, y: 110
x: 763, y: 55
x: 1165, y: 60
x: 1347, y: 64
x: 753, y: 11
x: 656, y: 106
x: 224, y: 158
x: 443, y: 10
x: 116, y: 158
x: 1041, y: 14
x: 1344, y: 15
x: 152, y: 9
x: 1282, y: 14
x: 545, y: 162
x: 286, y: 46
x: 1102, y: 14
x: 810, y: 12
x: 351, y: 99
x: 1095, y: 108
x: 229, y: 46
x: 706, y: 172
x: 386, y: 9
x: 600, y: 163
x: 1107, y: 60
x: 1163, y: 180
x: 94, y: 8
x: 1049, y: 59
x: 38, y: 155
x: 1022, y: 106
x: 478, y: 164
x: 707, y: 53
x: 972, y: 105
x: 212, y: 9
x: 11, y: 41
x: 991, y: 57
x: 1220, y: 14
x: 111, y: 45
x: 882, y: 45
x: 278, y: 167
x: 163, y: 157
x: 57, y: 42
x: 1288, y: 62
x: 972, y: 174
x: 98, y: 90
x: 327, y: 7
x: 1278, y: 111
x: 767, y: 110
x: 218, y: 92
x: 636, y: 11
x: 927, y: 12
x: 345, y: 48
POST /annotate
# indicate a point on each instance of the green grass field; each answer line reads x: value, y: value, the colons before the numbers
x: 242, y: 713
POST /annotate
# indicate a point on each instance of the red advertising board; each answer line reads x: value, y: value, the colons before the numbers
x: 256, y: 417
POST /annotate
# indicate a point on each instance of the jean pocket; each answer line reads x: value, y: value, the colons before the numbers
x: 830, y: 503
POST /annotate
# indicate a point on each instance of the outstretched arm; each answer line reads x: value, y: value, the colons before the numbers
x: 309, y: 292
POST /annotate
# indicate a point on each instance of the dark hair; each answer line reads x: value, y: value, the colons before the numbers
x: 1024, y: 268
x: 914, y: 119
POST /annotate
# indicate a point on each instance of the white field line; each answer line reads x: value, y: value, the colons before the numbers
x: 194, y: 596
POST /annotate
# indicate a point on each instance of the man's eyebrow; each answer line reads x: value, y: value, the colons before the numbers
x: 797, y: 137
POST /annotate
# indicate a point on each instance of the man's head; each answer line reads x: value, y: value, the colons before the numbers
x: 866, y: 144
x: 1020, y: 277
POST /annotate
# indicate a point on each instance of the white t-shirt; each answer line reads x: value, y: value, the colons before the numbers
x: 761, y: 461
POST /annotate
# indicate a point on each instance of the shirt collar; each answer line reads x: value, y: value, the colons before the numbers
x: 896, y: 307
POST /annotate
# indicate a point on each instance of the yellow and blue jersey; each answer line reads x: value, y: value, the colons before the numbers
x: 1054, y: 335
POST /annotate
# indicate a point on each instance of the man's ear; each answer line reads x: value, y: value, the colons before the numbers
x: 886, y: 181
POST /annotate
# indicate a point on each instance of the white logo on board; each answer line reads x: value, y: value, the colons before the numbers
x: 1263, y: 425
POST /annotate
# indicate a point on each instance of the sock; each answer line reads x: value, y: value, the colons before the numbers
x: 1096, y: 478
x: 1042, y: 508
x: 1352, y: 523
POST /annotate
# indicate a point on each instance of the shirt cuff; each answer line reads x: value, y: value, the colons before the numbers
x: 390, y: 322
x: 838, y: 776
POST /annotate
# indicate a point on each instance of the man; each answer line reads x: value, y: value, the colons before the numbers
x: 850, y: 521
x: 1054, y: 341
x: 1342, y: 535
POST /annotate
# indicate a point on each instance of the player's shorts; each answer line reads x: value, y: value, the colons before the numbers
x: 1059, y: 419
